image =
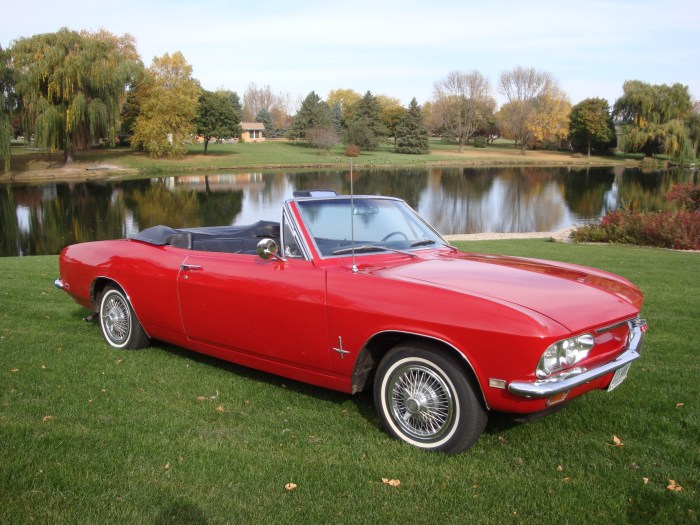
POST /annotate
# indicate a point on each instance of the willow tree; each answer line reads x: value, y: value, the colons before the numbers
x: 168, y: 101
x: 5, y: 126
x: 536, y: 109
x: 654, y: 117
x: 72, y: 84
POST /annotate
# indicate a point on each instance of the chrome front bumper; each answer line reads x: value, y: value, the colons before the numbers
x: 580, y: 376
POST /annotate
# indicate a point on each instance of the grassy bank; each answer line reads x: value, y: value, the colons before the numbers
x: 89, y: 434
x: 28, y: 164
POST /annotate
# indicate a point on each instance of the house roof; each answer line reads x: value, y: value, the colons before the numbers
x: 248, y: 126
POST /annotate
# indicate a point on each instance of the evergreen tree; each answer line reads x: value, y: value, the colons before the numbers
x: 411, y: 133
x: 337, y: 118
x: 265, y: 117
x: 313, y: 113
x: 366, y: 128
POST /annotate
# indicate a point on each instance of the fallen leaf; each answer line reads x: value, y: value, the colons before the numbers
x: 43, y: 367
x: 290, y: 486
x: 391, y: 482
x: 673, y: 486
x: 220, y: 409
x: 679, y: 405
x: 14, y: 370
x: 118, y: 362
x: 560, y: 468
x: 616, y: 442
x: 566, y: 480
x: 645, y: 480
x: 46, y: 419
x: 202, y: 398
x: 167, y: 466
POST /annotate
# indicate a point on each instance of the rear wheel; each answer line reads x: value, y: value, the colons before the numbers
x: 424, y: 398
x: 120, y: 327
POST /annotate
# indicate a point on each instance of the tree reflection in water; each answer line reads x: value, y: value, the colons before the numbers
x: 40, y: 220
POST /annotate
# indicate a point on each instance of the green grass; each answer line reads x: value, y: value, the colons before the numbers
x: 89, y: 434
x: 283, y: 154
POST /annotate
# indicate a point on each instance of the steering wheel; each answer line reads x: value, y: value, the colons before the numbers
x: 390, y: 235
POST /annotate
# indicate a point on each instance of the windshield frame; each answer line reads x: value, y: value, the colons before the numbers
x: 411, y: 216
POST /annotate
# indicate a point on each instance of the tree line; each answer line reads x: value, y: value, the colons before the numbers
x: 72, y: 90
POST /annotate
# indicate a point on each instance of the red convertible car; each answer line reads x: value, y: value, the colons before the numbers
x: 362, y: 293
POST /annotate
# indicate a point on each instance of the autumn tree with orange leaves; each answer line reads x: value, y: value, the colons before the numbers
x: 537, y: 109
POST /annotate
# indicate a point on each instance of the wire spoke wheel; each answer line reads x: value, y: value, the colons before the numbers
x: 424, y: 397
x: 421, y: 402
x: 116, y: 319
x: 120, y: 327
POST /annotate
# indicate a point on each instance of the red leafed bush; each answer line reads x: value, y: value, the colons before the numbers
x: 686, y: 196
x: 353, y: 150
x: 670, y: 229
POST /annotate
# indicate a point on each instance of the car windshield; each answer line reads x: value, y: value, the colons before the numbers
x: 380, y: 224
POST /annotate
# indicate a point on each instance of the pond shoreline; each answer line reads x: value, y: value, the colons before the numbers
x: 85, y: 172
x: 563, y: 235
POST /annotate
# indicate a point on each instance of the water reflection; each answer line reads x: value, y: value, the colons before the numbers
x: 43, y: 219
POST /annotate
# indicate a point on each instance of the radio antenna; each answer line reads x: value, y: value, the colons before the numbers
x: 352, y: 220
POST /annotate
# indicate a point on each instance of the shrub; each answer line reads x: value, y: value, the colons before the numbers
x: 670, y: 229
x: 480, y: 142
x: 686, y: 196
x: 353, y: 150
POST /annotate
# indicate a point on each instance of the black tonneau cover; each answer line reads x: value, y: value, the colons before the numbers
x: 232, y: 239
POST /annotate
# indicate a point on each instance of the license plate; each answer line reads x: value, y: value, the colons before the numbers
x: 619, y: 377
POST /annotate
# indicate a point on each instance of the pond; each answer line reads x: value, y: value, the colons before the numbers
x: 42, y: 219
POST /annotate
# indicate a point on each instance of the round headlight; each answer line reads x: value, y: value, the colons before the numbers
x: 564, y: 354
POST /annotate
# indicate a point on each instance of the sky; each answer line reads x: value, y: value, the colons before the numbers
x: 395, y: 48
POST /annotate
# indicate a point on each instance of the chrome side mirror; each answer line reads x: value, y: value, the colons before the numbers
x: 268, y: 248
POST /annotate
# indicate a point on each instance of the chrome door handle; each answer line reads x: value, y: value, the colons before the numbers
x: 190, y: 267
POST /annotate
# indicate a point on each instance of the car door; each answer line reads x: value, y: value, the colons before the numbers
x: 271, y: 309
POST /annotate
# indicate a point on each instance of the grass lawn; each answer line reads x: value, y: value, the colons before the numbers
x: 29, y: 164
x: 90, y: 434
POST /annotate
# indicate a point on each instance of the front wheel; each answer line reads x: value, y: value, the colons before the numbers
x: 424, y: 398
x: 120, y: 327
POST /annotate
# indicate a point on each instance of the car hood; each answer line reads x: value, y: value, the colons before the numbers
x: 576, y: 297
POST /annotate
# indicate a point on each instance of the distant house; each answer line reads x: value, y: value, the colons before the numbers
x: 253, y: 131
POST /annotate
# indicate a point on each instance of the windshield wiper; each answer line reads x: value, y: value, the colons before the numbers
x: 371, y: 248
x: 426, y: 242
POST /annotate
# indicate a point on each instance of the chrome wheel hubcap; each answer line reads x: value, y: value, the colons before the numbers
x: 421, y: 402
x: 115, y: 319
